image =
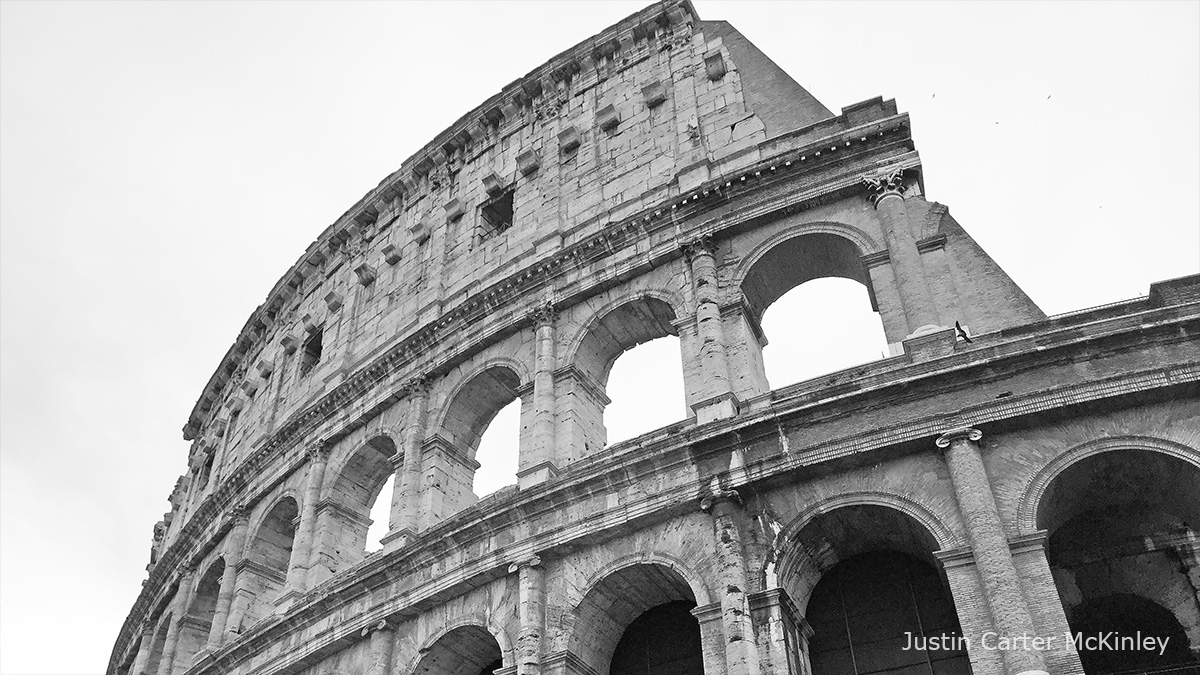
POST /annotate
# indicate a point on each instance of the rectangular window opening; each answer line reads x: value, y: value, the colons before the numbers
x: 497, y: 213
x: 311, y: 354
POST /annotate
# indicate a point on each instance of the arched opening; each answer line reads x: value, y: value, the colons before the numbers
x: 473, y: 411
x: 157, y: 644
x: 638, y: 620
x: 872, y: 591
x: 499, y: 451
x: 358, y: 513
x: 823, y: 317
x: 466, y: 650
x: 197, y: 624
x: 1122, y: 550
x: 268, y: 558
x: 641, y: 334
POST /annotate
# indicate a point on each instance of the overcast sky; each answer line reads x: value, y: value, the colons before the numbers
x: 163, y: 164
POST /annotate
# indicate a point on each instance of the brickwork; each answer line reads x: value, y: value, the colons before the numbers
x: 663, y: 178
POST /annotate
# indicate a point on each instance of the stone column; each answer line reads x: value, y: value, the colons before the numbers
x: 887, y: 196
x: 1045, y: 605
x: 404, y: 523
x: 741, y: 652
x: 531, y: 585
x: 178, y: 609
x: 1001, y: 584
x: 717, y: 400
x: 142, y: 659
x: 303, y: 551
x: 379, y: 651
x: 538, y: 463
x: 234, y: 545
x: 782, y: 633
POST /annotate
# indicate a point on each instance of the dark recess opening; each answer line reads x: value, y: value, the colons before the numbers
x: 497, y: 213
x: 311, y: 354
x: 665, y: 640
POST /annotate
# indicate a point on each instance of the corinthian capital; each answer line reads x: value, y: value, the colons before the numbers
x: 544, y: 314
x: 318, y: 451
x: 886, y: 183
x: 702, y: 245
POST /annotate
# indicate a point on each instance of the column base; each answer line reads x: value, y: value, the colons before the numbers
x: 397, y: 539
x: 287, y: 599
x: 719, y: 407
x: 536, y: 475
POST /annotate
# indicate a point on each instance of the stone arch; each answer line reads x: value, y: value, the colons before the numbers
x: 470, y: 634
x: 158, y: 643
x: 476, y: 398
x: 1035, y: 487
x: 344, y: 515
x: 859, y: 238
x: 800, y: 554
x: 1119, y: 514
x: 269, y: 553
x: 622, y: 592
x: 627, y: 321
x: 196, y: 624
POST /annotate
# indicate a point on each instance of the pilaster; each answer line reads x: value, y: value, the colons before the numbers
x: 716, y: 398
x: 741, y: 653
x: 404, y: 521
x: 531, y: 584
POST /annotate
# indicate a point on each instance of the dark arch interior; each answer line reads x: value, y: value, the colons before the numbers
x: 466, y: 650
x: 1119, y: 526
x: 622, y: 329
x: 866, y: 609
x: 664, y: 640
x: 1128, y: 615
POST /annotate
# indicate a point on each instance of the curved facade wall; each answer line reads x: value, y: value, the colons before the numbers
x: 664, y: 178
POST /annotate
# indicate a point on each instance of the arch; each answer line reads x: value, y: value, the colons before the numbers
x: 806, y: 252
x: 194, y: 630
x: 639, y: 296
x: 475, y: 401
x: 944, y: 536
x: 618, y: 326
x: 158, y: 643
x: 270, y: 552
x: 694, y: 580
x: 345, y: 514
x: 618, y: 595
x: 442, y: 652
x: 842, y: 526
x: 1036, y: 486
x: 1128, y: 614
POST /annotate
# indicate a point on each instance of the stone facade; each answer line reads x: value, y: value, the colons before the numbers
x: 666, y: 178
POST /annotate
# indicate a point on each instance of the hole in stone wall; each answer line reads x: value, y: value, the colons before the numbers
x: 645, y: 386
x: 497, y: 214
x: 819, y: 327
x: 311, y: 354
x: 497, y: 451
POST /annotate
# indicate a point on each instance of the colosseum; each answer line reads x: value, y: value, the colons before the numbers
x: 1005, y: 493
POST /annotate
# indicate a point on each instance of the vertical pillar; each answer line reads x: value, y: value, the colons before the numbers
x: 1001, y: 584
x: 303, y: 551
x: 716, y: 400
x: 887, y: 196
x: 178, y: 609
x: 1045, y: 605
x: 234, y: 545
x: 741, y: 652
x: 142, y: 659
x: 538, y: 463
x: 531, y: 584
x: 404, y: 524
x: 379, y: 651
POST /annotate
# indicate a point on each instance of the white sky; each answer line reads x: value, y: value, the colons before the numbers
x: 163, y: 164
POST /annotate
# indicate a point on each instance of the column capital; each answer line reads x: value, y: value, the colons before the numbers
x: 239, y: 514
x: 544, y: 314
x: 532, y: 561
x: 318, y: 450
x: 702, y: 245
x: 418, y: 385
x: 718, y: 497
x: 885, y: 183
x: 959, y: 434
x: 378, y: 626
